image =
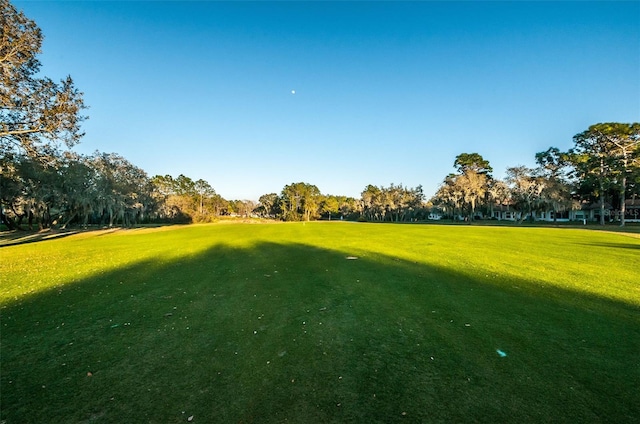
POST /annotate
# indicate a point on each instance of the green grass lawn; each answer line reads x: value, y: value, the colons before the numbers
x: 272, y: 323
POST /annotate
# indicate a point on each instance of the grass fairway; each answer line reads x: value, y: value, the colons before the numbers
x: 272, y: 323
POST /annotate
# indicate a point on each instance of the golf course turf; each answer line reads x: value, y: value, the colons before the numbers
x: 322, y: 322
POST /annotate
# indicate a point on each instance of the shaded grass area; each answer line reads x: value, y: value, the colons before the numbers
x: 271, y: 332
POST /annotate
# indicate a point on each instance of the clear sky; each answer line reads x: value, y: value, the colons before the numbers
x: 385, y: 92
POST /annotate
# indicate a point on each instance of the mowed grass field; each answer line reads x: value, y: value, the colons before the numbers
x: 280, y: 323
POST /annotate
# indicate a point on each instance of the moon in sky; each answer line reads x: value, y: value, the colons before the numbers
x: 293, y: 91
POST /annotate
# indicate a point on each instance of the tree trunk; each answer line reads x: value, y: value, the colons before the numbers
x: 73, y: 215
x: 30, y: 220
x: 601, y: 205
x: 473, y: 211
x: 8, y: 222
x: 623, y: 206
x: 601, y: 191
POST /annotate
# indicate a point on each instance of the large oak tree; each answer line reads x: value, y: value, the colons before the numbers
x: 607, y: 153
x: 36, y: 113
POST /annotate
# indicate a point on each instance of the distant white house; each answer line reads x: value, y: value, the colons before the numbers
x: 588, y: 212
x: 507, y: 213
x: 504, y: 213
x: 434, y: 216
x: 632, y: 212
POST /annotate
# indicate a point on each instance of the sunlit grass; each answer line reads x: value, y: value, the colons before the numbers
x: 267, y: 323
x: 580, y: 259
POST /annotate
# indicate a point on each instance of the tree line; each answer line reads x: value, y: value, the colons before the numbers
x: 602, y: 167
x: 106, y: 189
x: 44, y: 183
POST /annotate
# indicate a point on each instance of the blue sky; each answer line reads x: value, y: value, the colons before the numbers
x: 385, y: 92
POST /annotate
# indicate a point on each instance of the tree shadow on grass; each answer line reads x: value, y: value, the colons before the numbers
x: 16, y: 237
x: 13, y: 237
x: 615, y: 245
x: 295, y: 333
